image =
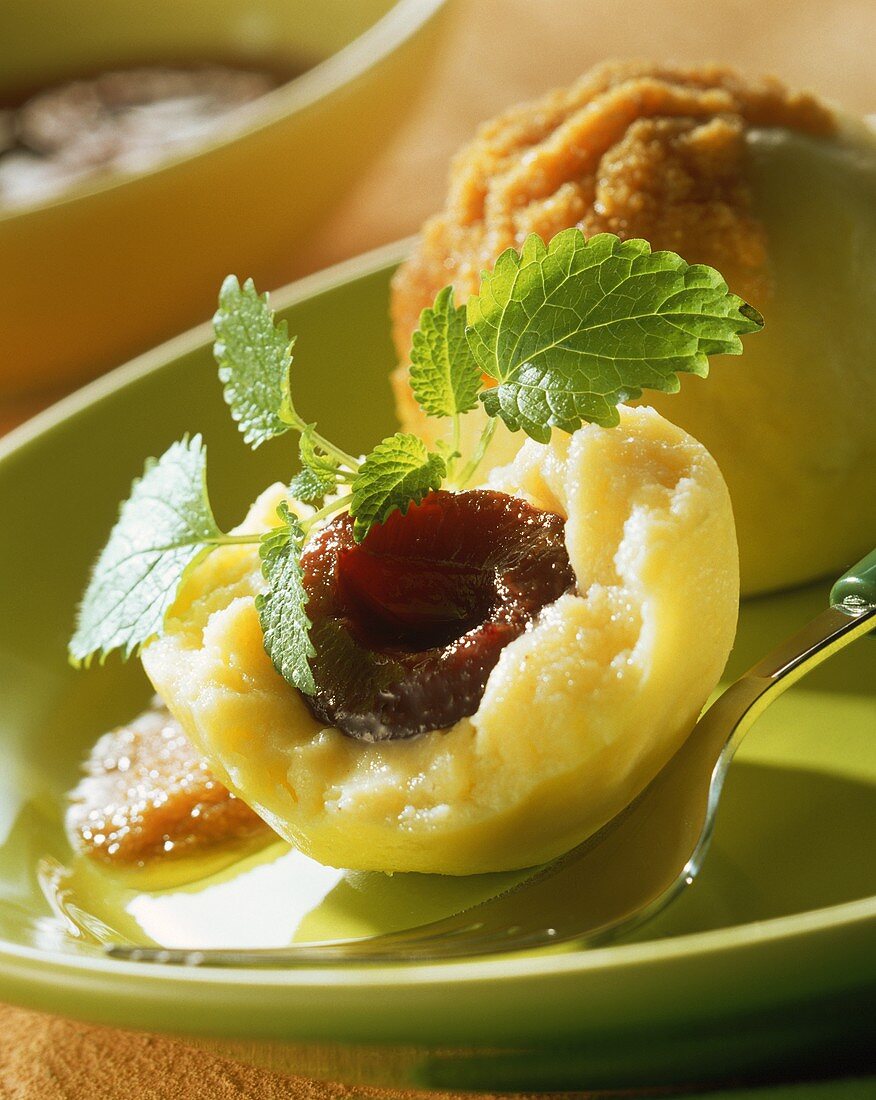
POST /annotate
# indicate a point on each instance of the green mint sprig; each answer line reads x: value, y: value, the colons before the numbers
x: 399, y: 471
x: 562, y: 333
x: 571, y: 329
x: 164, y: 527
x: 255, y: 362
x: 445, y: 376
x: 321, y: 473
x: 254, y: 353
x: 282, y: 609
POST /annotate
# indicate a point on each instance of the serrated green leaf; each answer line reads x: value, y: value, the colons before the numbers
x: 163, y: 528
x: 313, y: 456
x: 398, y: 472
x: 282, y: 610
x: 254, y: 353
x: 572, y: 329
x: 311, y: 487
x: 320, y: 472
x: 364, y: 672
x: 445, y: 375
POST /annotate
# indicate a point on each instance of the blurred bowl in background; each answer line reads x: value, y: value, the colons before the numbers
x: 129, y: 258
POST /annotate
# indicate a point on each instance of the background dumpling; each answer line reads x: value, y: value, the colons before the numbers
x: 775, y: 189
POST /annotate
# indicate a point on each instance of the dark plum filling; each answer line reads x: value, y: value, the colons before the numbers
x: 409, y: 623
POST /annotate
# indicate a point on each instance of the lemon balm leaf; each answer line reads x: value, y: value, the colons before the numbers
x: 254, y: 353
x: 567, y: 331
x: 399, y: 471
x: 445, y: 375
x: 164, y: 527
x: 320, y: 471
x: 314, y: 455
x: 571, y: 329
x: 310, y: 487
x: 282, y: 610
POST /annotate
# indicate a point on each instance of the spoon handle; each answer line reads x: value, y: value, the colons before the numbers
x: 852, y: 605
x: 715, y: 738
x: 856, y: 588
x: 851, y: 614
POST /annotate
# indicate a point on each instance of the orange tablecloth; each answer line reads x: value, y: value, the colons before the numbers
x: 498, y: 52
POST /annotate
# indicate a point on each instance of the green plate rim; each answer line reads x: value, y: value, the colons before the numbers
x: 35, y: 962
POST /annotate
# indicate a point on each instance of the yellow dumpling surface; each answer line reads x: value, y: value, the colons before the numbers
x: 578, y: 715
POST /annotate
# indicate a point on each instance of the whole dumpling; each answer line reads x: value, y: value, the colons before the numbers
x: 777, y: 190
x: 579, y: 713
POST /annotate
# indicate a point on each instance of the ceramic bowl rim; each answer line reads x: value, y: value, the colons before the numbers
x: 364, y: 52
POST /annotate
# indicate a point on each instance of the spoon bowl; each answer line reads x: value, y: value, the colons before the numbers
x: 635, y: 865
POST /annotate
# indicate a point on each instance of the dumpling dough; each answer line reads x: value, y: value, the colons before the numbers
x: 578, y: 715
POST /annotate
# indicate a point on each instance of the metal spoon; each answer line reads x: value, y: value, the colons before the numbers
x: 629, y: 871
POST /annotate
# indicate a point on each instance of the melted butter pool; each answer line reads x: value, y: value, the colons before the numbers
x: 272, y: 898
x: 761, y: 865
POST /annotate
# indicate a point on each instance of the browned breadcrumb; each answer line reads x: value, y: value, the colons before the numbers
x: 147, y: 793
x: 632, y: 148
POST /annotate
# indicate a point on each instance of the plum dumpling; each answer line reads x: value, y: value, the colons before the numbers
x: 401, y: 664
x: 477, y: 727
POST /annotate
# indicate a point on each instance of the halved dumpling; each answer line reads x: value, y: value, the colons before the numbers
x: 579, y: 713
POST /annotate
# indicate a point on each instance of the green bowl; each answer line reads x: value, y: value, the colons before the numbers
x: 769, y: 960
x: 128, y: 260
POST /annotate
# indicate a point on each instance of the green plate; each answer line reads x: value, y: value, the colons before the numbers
x: 771, y: 956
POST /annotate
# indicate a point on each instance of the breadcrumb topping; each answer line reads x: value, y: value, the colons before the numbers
x: 632, y: 148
